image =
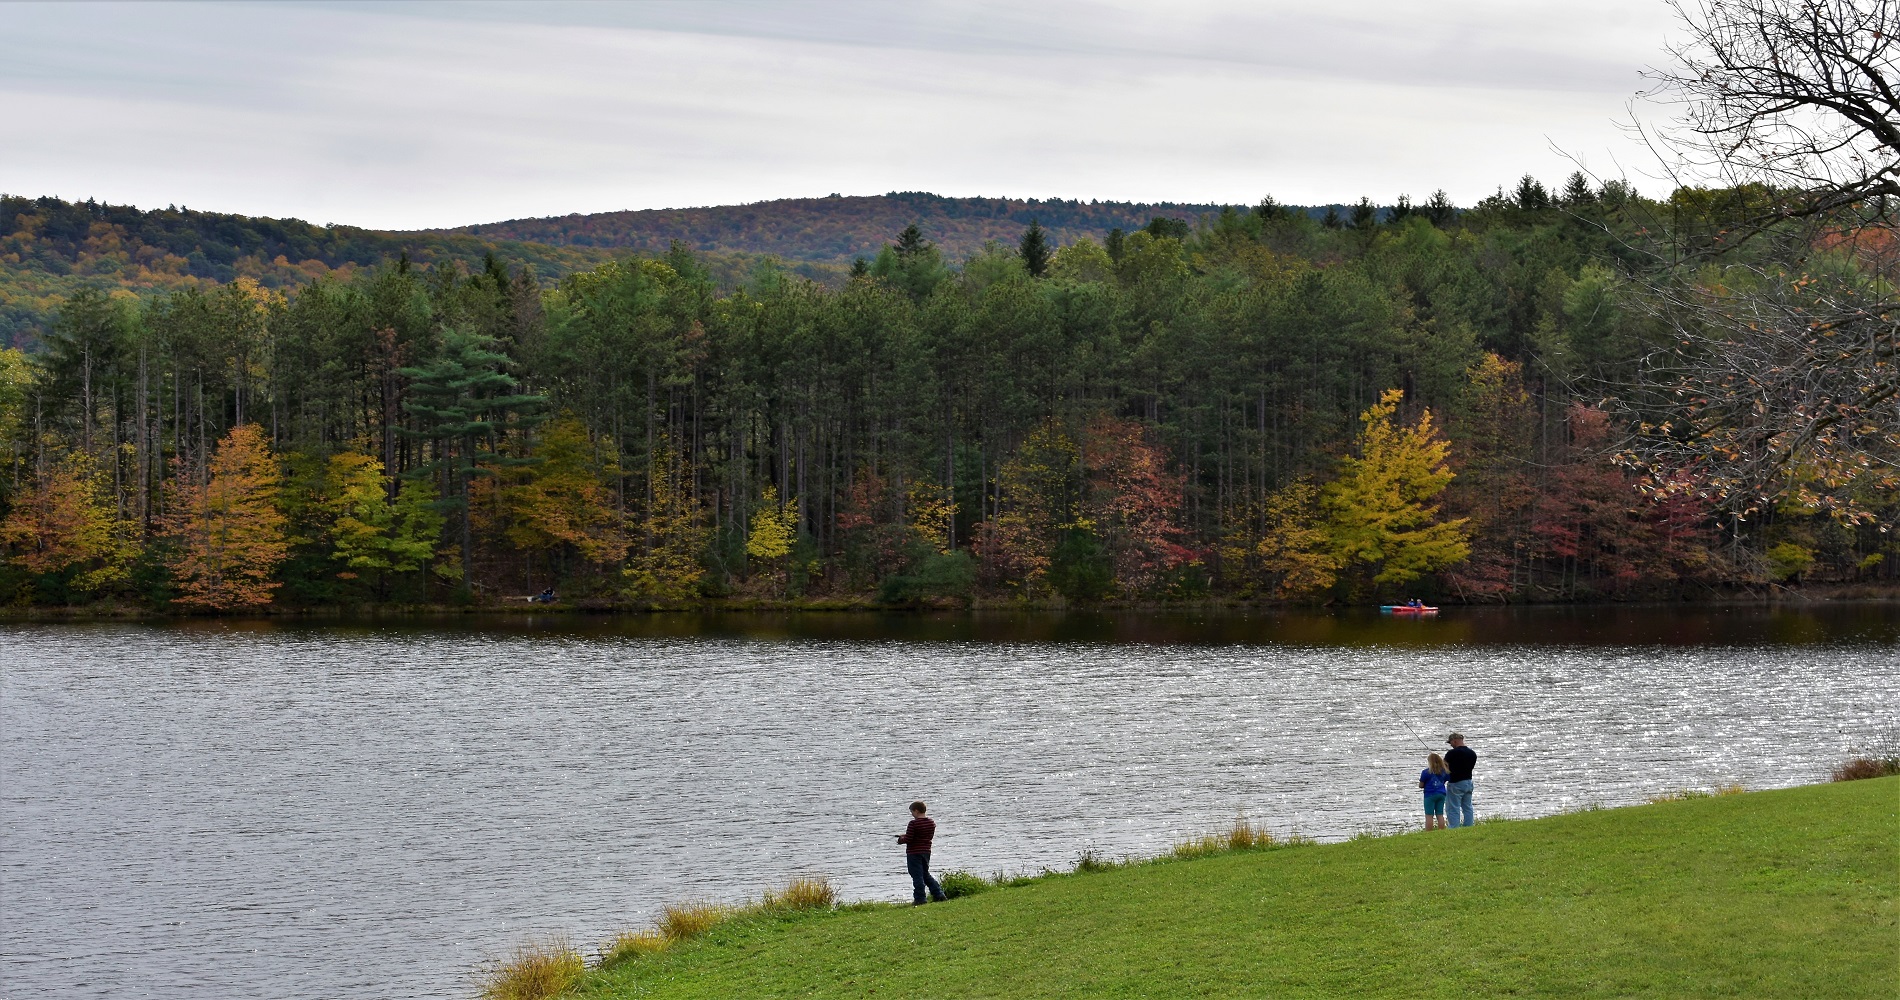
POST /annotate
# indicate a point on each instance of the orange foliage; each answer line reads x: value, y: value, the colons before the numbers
x: 68, y: 520
x: 229, y: 534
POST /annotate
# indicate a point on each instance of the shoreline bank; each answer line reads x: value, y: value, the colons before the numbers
x: 1585, y: 902
x: 1830, y: 596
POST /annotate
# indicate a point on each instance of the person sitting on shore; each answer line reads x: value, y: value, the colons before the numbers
x: 544, y: 597
x: 916, y: 840
x: 1432, y: 780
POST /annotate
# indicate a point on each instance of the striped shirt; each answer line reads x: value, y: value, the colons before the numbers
x: 916, y: 838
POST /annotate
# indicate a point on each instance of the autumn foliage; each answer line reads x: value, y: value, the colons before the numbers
x: 227, y: 534
x: 67, y: 523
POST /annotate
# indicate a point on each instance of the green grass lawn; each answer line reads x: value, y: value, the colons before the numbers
x: 1774, y: 894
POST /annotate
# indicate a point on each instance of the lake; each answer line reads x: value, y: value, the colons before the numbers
x: 369, y: 809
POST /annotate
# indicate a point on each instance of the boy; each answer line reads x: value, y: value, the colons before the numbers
x: 916, y: 840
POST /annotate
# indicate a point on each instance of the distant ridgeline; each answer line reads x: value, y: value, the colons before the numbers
x: 50, y: 248
x: 838, y: 229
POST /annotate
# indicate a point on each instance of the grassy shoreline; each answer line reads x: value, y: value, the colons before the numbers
x: 867, y: 603
x: 1786, y: 893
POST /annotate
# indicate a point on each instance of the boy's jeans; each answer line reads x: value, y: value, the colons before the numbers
x: 1458, y: 811
x: 919, y: 865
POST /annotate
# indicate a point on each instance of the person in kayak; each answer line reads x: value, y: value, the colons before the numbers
x: 916, y: 839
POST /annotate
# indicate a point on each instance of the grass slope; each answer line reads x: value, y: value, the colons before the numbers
x: 1770, y: 894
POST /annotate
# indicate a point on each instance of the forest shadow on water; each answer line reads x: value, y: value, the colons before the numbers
x: 1873, y: 622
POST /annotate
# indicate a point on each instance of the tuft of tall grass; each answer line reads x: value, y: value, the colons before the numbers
x: 1092, y: 860
x: 1242, y: 836
x: 1859, y: 768
x: 679, y: 921
x: 632, y: 945
x: 535, y: 971
x: 802, y: 894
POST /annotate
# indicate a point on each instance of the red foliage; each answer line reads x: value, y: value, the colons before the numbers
x: 1134, y: 501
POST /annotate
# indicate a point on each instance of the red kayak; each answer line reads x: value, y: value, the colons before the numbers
x: 1407, y: 609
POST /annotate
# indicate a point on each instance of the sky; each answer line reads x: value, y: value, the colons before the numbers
x: 404, y: 115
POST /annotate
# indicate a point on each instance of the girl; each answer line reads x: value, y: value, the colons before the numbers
x: 1432, y: 780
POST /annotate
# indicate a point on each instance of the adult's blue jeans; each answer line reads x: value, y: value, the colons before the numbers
x: 1458, y: 810
x: 919, y: 865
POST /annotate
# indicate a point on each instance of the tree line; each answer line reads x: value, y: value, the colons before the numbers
x: 1510, y: 402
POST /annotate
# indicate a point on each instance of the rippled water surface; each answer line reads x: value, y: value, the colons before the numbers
x: 257, y: 810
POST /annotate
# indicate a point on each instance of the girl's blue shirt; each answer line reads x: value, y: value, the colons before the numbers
x: 1434, y: 783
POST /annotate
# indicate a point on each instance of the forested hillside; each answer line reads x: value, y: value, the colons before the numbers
x: 1532, y: 399
x: 839, y: 229
x: 51, y: 248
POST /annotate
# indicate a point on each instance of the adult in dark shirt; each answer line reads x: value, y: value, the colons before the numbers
x: 916, y: 840
x: 1459, y: 761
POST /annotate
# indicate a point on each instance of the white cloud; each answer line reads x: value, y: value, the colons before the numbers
x: 430, y: 115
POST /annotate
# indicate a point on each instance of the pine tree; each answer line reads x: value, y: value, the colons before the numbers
x: 464, y: 401
x: 1365, y: 215
x: 1577, y: 191
x: 1034, y: 250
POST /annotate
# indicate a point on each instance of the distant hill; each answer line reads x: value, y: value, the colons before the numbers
x: 50, y: 248
x: 835, y: 229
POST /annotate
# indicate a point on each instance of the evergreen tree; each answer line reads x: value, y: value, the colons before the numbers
x: 1271, y: 211
x: 1577, y: 191
x: 464, y: 401
x: 1531, y: 196
x: 1034, y: 250
x: 1161, y: 226
x: 1365, y: 215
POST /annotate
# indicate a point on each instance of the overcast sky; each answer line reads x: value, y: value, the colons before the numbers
x: 409, y: 115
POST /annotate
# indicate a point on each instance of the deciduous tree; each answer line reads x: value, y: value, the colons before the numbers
x: 1379, y: 511
x: 227, y: 534
x: 67, y: 522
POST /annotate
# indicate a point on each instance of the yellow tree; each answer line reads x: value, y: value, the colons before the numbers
x: 774, y: 528
x: 1379, y: 510
x: 228, y: 533
x: 665, y: 563
x: 16, y: 377
x: 1295, y: 547
x: 67, y: 521
x: 562, y: 500
x: 367, y: 531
